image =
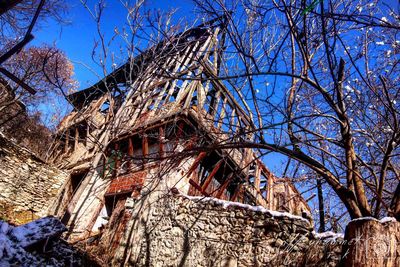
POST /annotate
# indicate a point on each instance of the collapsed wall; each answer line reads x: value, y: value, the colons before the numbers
x: 27, y: 184
x: 177, y: 230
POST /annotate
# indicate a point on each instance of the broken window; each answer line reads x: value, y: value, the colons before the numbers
x: 216, y: 176
x: 73, y: 186
x: 112, y: 208
x: 105, y: 107
x: 282, y: 204
x: 137, y: 155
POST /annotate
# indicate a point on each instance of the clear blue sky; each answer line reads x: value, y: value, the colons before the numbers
x: 76, y: 37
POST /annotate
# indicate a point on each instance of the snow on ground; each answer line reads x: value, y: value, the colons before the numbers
x: 35, y: 231
x: 14, y: 240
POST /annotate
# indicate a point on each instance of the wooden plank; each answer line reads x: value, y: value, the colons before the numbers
x: 204, y: 51
x: 198, y: 187
x: 231, y: 122
x: 214, y: 104
x: 270, y: 193
x: 184, y: 89
x: 76, y: 137
x: 172, y: 87
x: 87, y: 139
x: 222, y: 114
x: 161, y: 140
x: 145, y: 148
x: 66, y: 140
x: 117, y: 159
x: 130, y: 152
x: 257, y: 177
x: 190, y: 56
x: 171, y: 61
x: 189, y: 97
x: 200, y: 96
x: 196, y: 162
x: 162, y: 94
x: 237, y: 194
x: 212, y: 174
x: 224, y: 185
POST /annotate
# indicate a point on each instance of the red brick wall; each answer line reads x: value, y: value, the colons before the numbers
x: 126, y: 183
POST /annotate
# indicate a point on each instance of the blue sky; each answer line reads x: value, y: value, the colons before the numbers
x: 76, y: 37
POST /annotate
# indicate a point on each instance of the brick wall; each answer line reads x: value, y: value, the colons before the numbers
x: 127, y: 183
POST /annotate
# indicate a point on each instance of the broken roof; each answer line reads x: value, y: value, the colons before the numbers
x: 133, y: 66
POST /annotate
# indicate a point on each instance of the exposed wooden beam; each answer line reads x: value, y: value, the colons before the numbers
x: 198, y: 187
x: 145, y: 147
x: 15, y: 78
x: 161, y: 139
x: 257, y: 177
x: 66, y: 140
x: 130, y: 151
x: 237, y: 193
x: 116, y: 159
x: 76, y: 137
x: 270, y: 193
x: 224, y: 185
x: 87, y: 139
x: 196, y: 163
x: 212, y: 174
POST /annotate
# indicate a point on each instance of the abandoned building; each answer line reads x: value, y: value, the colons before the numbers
x: 158, y: 123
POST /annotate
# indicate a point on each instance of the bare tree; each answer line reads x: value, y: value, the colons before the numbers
x: 44, y: 68
x: 323, y: 79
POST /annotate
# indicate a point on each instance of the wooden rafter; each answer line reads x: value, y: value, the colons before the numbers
x: 224, y: 186
x: 196, y: 163
x: 212, y: 174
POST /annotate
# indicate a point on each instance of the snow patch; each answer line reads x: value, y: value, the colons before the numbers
x: 35, y: 231
x: 388, y: 219
x: 226, y: 204
x: 383, y: 220
x: 328, y: 235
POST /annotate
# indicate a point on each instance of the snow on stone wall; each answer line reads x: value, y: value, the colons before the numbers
x: 176, y: 230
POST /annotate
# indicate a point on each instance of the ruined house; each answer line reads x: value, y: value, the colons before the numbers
x: 158, y: 123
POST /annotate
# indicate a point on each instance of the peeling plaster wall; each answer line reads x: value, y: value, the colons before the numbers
x: 159, y: 177
x: 27, y: 184
x: 174, y: 230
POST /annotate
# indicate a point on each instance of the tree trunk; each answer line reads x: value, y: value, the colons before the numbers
x: 395, y: 205
x: 321, y: 208
x: 371, y: 243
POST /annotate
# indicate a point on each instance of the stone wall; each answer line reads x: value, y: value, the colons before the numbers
x: 176, y: 230
x: 27, y: 184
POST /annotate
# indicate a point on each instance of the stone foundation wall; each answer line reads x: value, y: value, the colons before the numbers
x: 176, y: 230
x: 27, y: 184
